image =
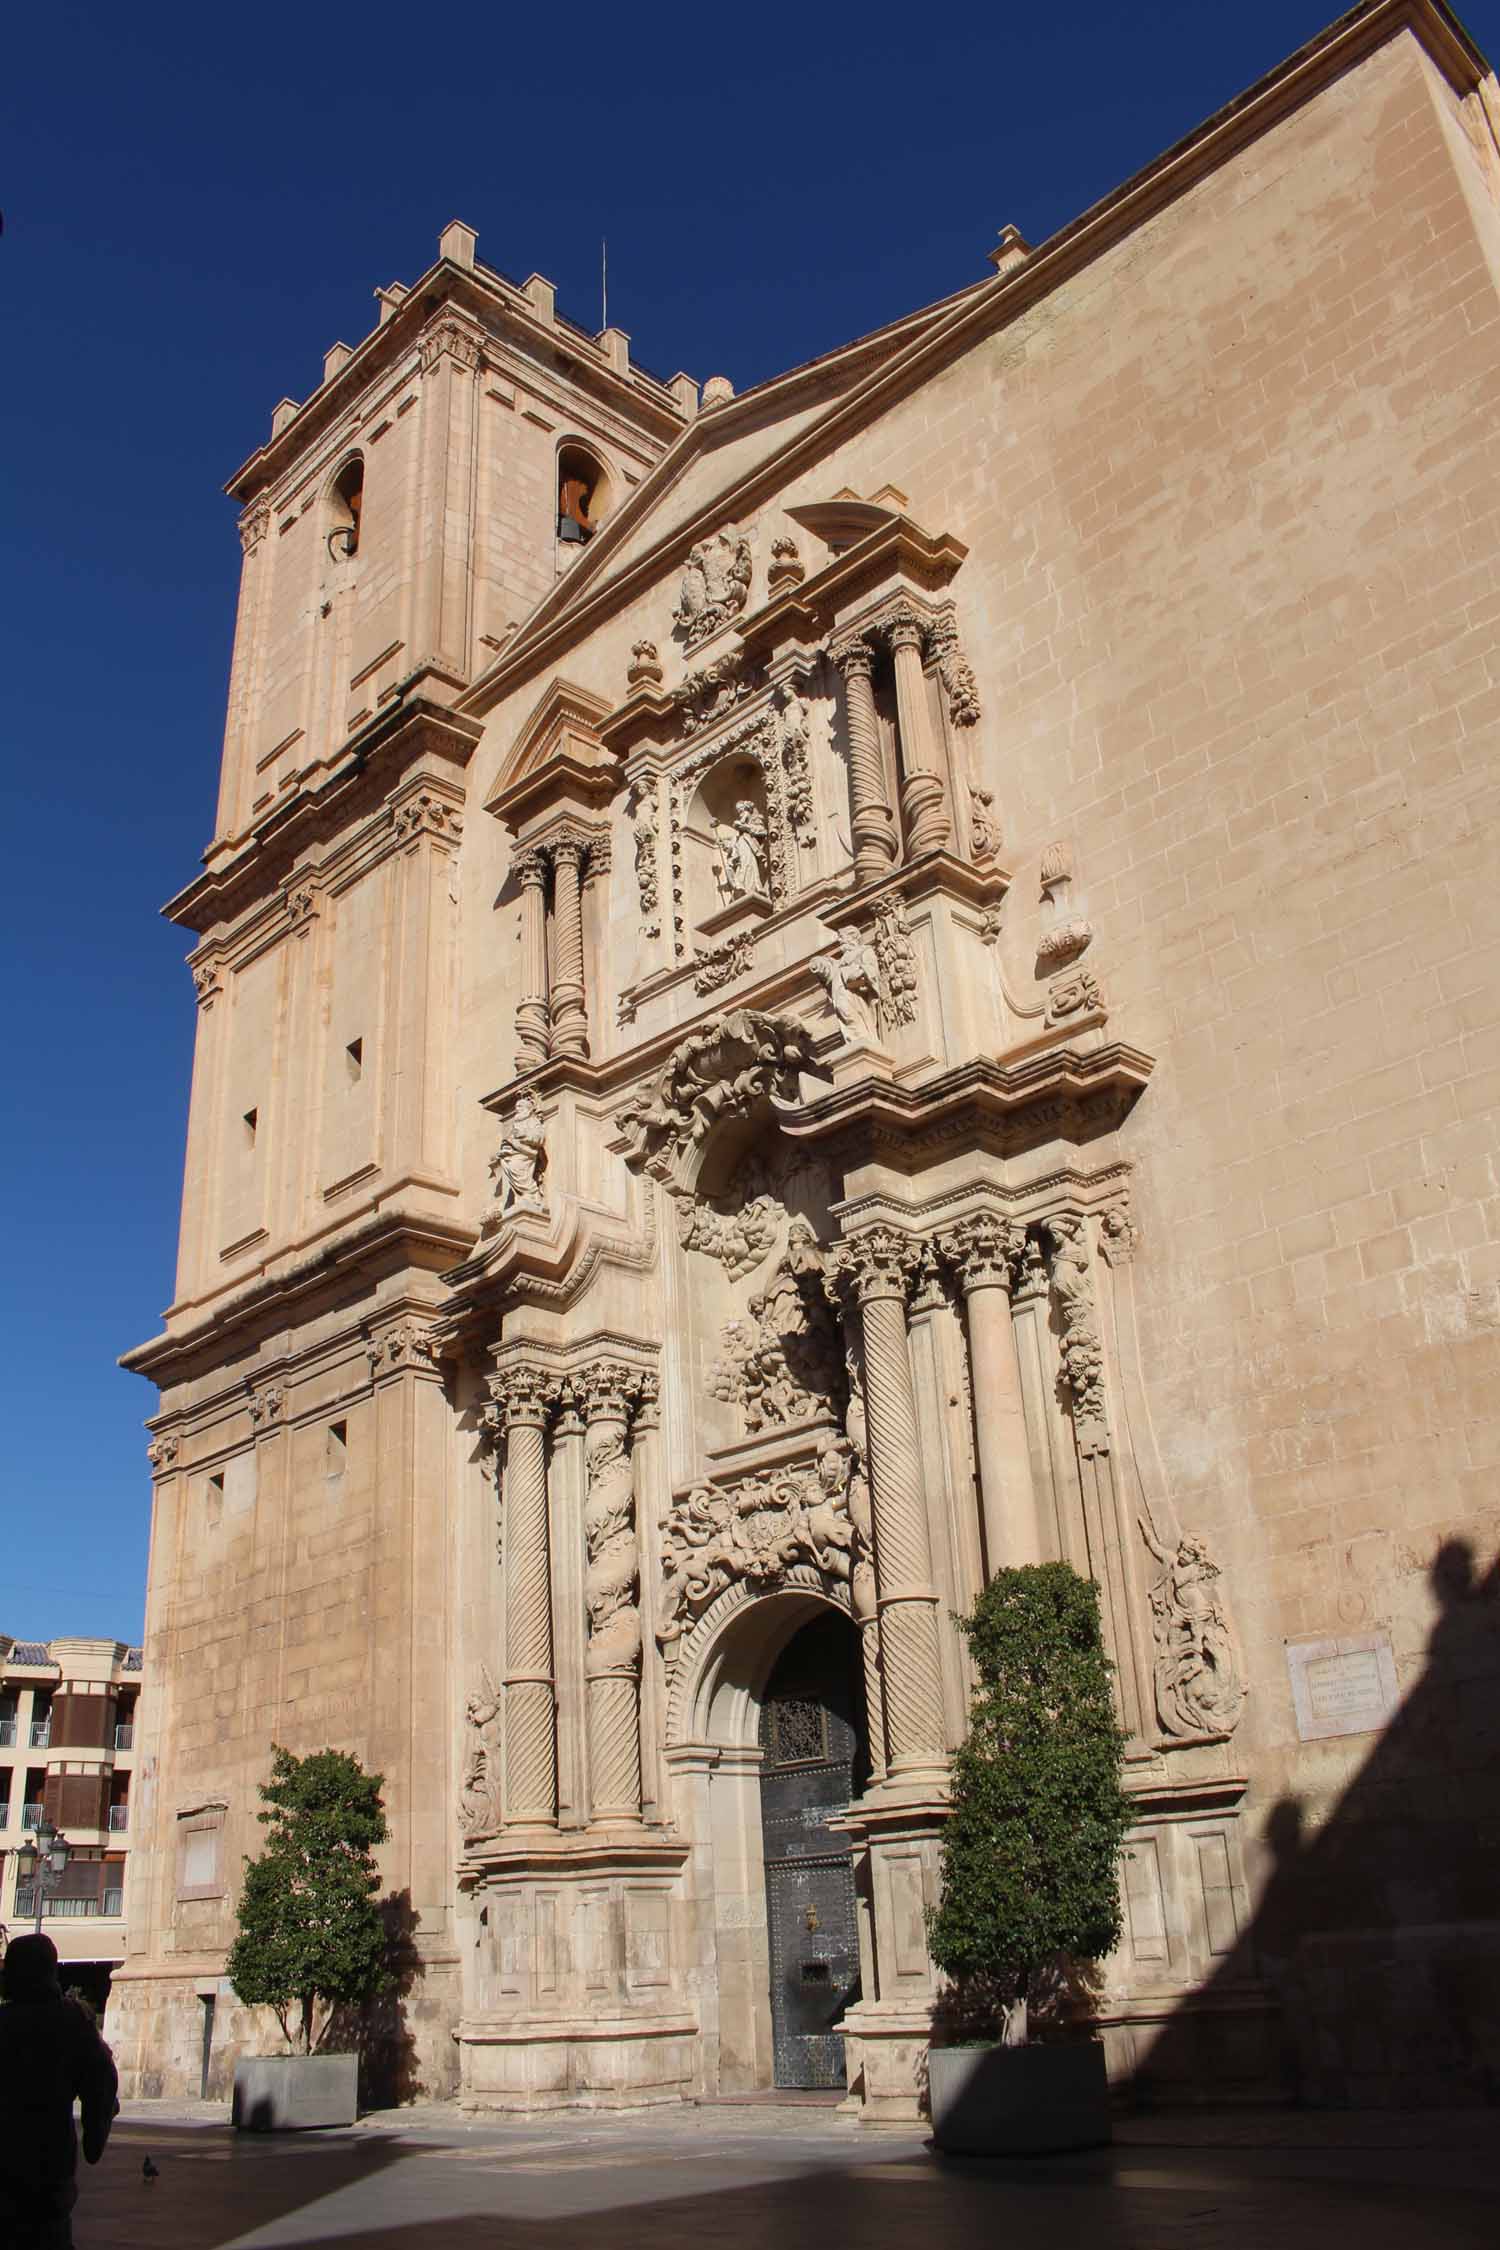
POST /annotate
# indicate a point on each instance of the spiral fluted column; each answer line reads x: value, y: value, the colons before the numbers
x: 872, y: 823
x: 873, y: 1267
x: 530, y: 1706
x: 982, y: 1251
x: 532, y: 1039
x: 611, y: 1586
x: 924, y: 792
x: 570, y: 1025
x: 862, y: 1598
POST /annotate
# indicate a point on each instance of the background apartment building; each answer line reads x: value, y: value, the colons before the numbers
x: 67, y: 1752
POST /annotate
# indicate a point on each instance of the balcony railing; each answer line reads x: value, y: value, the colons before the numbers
x: 41, y: 1734
x: 124, y: 1736
x: 7, y: 1734
x: 119, y: 1818
x: 31, y: 1816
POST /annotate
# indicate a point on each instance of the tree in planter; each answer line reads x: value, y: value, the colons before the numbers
x: 309, y: 1929
x: 1031, y: 1848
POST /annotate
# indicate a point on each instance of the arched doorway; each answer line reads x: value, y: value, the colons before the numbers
x: 813, y: 1745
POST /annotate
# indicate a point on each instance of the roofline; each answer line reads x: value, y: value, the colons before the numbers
x: 476, y: 289
x: 1341, y: 47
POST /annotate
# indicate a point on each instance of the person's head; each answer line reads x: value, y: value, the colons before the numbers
x: 29, y: 1971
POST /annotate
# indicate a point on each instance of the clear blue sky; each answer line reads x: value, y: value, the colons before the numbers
x: 198, y: 201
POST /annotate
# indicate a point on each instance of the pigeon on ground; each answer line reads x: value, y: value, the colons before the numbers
x: 149, y: 2172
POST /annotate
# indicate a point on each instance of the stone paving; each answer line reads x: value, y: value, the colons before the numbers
x: 763, y: 2177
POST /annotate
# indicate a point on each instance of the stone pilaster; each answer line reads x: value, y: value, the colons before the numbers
x: 530, y: 1715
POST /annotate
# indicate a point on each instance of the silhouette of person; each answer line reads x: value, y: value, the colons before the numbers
x: 50, y: 2056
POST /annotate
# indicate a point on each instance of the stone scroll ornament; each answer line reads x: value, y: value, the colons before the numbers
x: 715, y: 586
x: 479, y: 1806
x: 753, y: 1533
x: 735, y: 1060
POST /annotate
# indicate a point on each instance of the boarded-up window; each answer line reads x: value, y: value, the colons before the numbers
x: 199, y: 1836
x: 82, y: 1719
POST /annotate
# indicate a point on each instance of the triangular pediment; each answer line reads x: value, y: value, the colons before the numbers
x: 557, y: 751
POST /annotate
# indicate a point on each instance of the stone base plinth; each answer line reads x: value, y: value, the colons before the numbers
x: 524, y: 2064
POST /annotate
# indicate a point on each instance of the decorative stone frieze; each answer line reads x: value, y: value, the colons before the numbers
x: 715, y: 586
x: 722, y: 963
x: 427, y: 814
x: 408, y: 1344
x: 714, y: 690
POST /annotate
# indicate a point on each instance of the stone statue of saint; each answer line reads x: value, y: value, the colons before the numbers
x: 851, y: 979
x: 517, y: 1162
x: 742, y: 852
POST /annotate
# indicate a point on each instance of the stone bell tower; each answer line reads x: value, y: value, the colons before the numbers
x: 396, y: 525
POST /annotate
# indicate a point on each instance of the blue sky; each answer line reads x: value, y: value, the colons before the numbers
x: 197, y: 203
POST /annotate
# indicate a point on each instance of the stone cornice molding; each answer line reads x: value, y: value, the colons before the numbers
x: 1056, y: 1091
x: 351, y: 788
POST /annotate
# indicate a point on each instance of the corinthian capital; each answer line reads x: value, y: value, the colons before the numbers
x: 851, y: 652
x: 983, y: 1250
x: 609, y: 1390
x: 523, y: 1395
x: 876, y: 1264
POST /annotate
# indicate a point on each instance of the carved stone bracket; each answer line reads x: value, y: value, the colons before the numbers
x: 408, y: 1344
x: 162, y: 1452
x: 451, y: 338
x: 427, y: 814
x: 267, y: 1404
x: 206, y: 983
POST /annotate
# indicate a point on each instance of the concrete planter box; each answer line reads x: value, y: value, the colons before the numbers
x: 292, y: 2093
x: 1018, y: 2101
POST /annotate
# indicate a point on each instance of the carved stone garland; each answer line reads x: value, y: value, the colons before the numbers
x: 644, y: 816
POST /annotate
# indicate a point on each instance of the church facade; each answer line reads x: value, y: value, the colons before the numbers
x: 806, y: 995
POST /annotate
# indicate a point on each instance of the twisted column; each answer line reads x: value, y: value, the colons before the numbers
x: 872, y: 824
x: 873, y: 1270
x: 611, y: 1592
x: 530, y: 1718
x: 982, y: 1252
x: 532, y: 1037
x: 924, y: 793
x: 862, y: 1599
x: 570, y: 1025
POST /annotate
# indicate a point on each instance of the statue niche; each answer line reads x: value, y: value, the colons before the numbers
x: 726, y: 847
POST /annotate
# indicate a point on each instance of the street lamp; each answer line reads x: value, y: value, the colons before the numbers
x: 43, y: 1852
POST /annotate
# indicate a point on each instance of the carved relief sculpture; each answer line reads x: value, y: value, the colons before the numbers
x: 785, y: 1362
x: 641, y: 808
x: 1080, y: 1348
x: 851, y: 978
x: 794, y: 759
x: 735, y: 1060
x: 787, y: 567
x: 516, y: 1164
x: 898, y: 965
x: 479, y: 1805
x: 644, y: 668
x: 715, y: 586
x: 753, y: 1533
x: 1199, y: 1690
x: 984, y: 824
x: 721, y: 964
x: 954, y: 670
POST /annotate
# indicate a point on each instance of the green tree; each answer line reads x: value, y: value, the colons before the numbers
x: 309, y: 1929
x: 1030, y: 1884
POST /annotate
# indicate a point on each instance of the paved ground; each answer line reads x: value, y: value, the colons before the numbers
x: 756, y: 2177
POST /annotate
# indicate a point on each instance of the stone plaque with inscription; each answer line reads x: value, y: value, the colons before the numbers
x: 1345, y: 1686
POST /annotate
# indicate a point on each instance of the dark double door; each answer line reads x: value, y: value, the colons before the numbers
x: 812, y: 1739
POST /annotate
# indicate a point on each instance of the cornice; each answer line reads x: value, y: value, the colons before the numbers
x: 580, y: 603
x: 370, y: 764
x: 977, y: 1093
x: 387, y: 1242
